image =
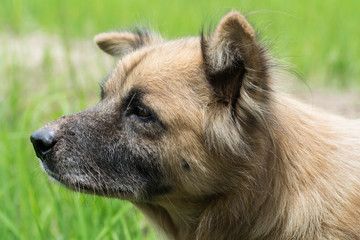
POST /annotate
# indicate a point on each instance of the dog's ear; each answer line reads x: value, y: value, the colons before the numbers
x: 236, y: 67
x: 233, y: 58
x: 120, y: 43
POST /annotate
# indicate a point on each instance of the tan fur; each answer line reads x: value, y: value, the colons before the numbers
x: 277, y: 170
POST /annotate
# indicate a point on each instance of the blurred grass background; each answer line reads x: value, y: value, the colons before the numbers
x: 49, y: 67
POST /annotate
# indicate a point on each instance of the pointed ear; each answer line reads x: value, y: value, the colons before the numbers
x: 120, y: 43
x: 233, y: 57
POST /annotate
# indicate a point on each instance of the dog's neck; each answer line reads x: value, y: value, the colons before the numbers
x: 198, y: 220
x: 179, y: 219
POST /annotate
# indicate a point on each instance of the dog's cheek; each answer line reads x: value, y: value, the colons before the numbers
x: 135, y: 165
x: 191, y: 168
x: 146, y: 165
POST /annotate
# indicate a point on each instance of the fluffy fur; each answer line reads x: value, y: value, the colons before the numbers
x: 233, y: 158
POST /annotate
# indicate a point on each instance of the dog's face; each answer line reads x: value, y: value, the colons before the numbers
x: 165, y: 120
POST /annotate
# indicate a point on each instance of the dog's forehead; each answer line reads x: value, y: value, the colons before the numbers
x: 161, y: 69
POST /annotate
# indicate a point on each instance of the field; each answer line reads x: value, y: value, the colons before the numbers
x: 49, y: 66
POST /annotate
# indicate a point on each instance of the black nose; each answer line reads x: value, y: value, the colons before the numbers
x: 43, y: 140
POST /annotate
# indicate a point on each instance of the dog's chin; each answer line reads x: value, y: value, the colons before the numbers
x: 78, y: 184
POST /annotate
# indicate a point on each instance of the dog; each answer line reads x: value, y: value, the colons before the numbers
x: 192, y: 132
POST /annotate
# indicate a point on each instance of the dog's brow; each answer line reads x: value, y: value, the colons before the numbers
x: 126, y: 73
x: 128, y: 69
x: 132, y: 98
x: 134, y: 95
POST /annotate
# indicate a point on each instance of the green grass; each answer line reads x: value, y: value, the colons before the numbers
x: 321, y: 38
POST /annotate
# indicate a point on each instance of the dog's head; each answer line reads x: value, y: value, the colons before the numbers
x: 174, y: 118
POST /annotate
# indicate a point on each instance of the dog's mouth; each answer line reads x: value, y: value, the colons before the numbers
x: 81, y: 184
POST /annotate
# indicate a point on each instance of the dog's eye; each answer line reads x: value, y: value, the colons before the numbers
x: 142, y: 112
